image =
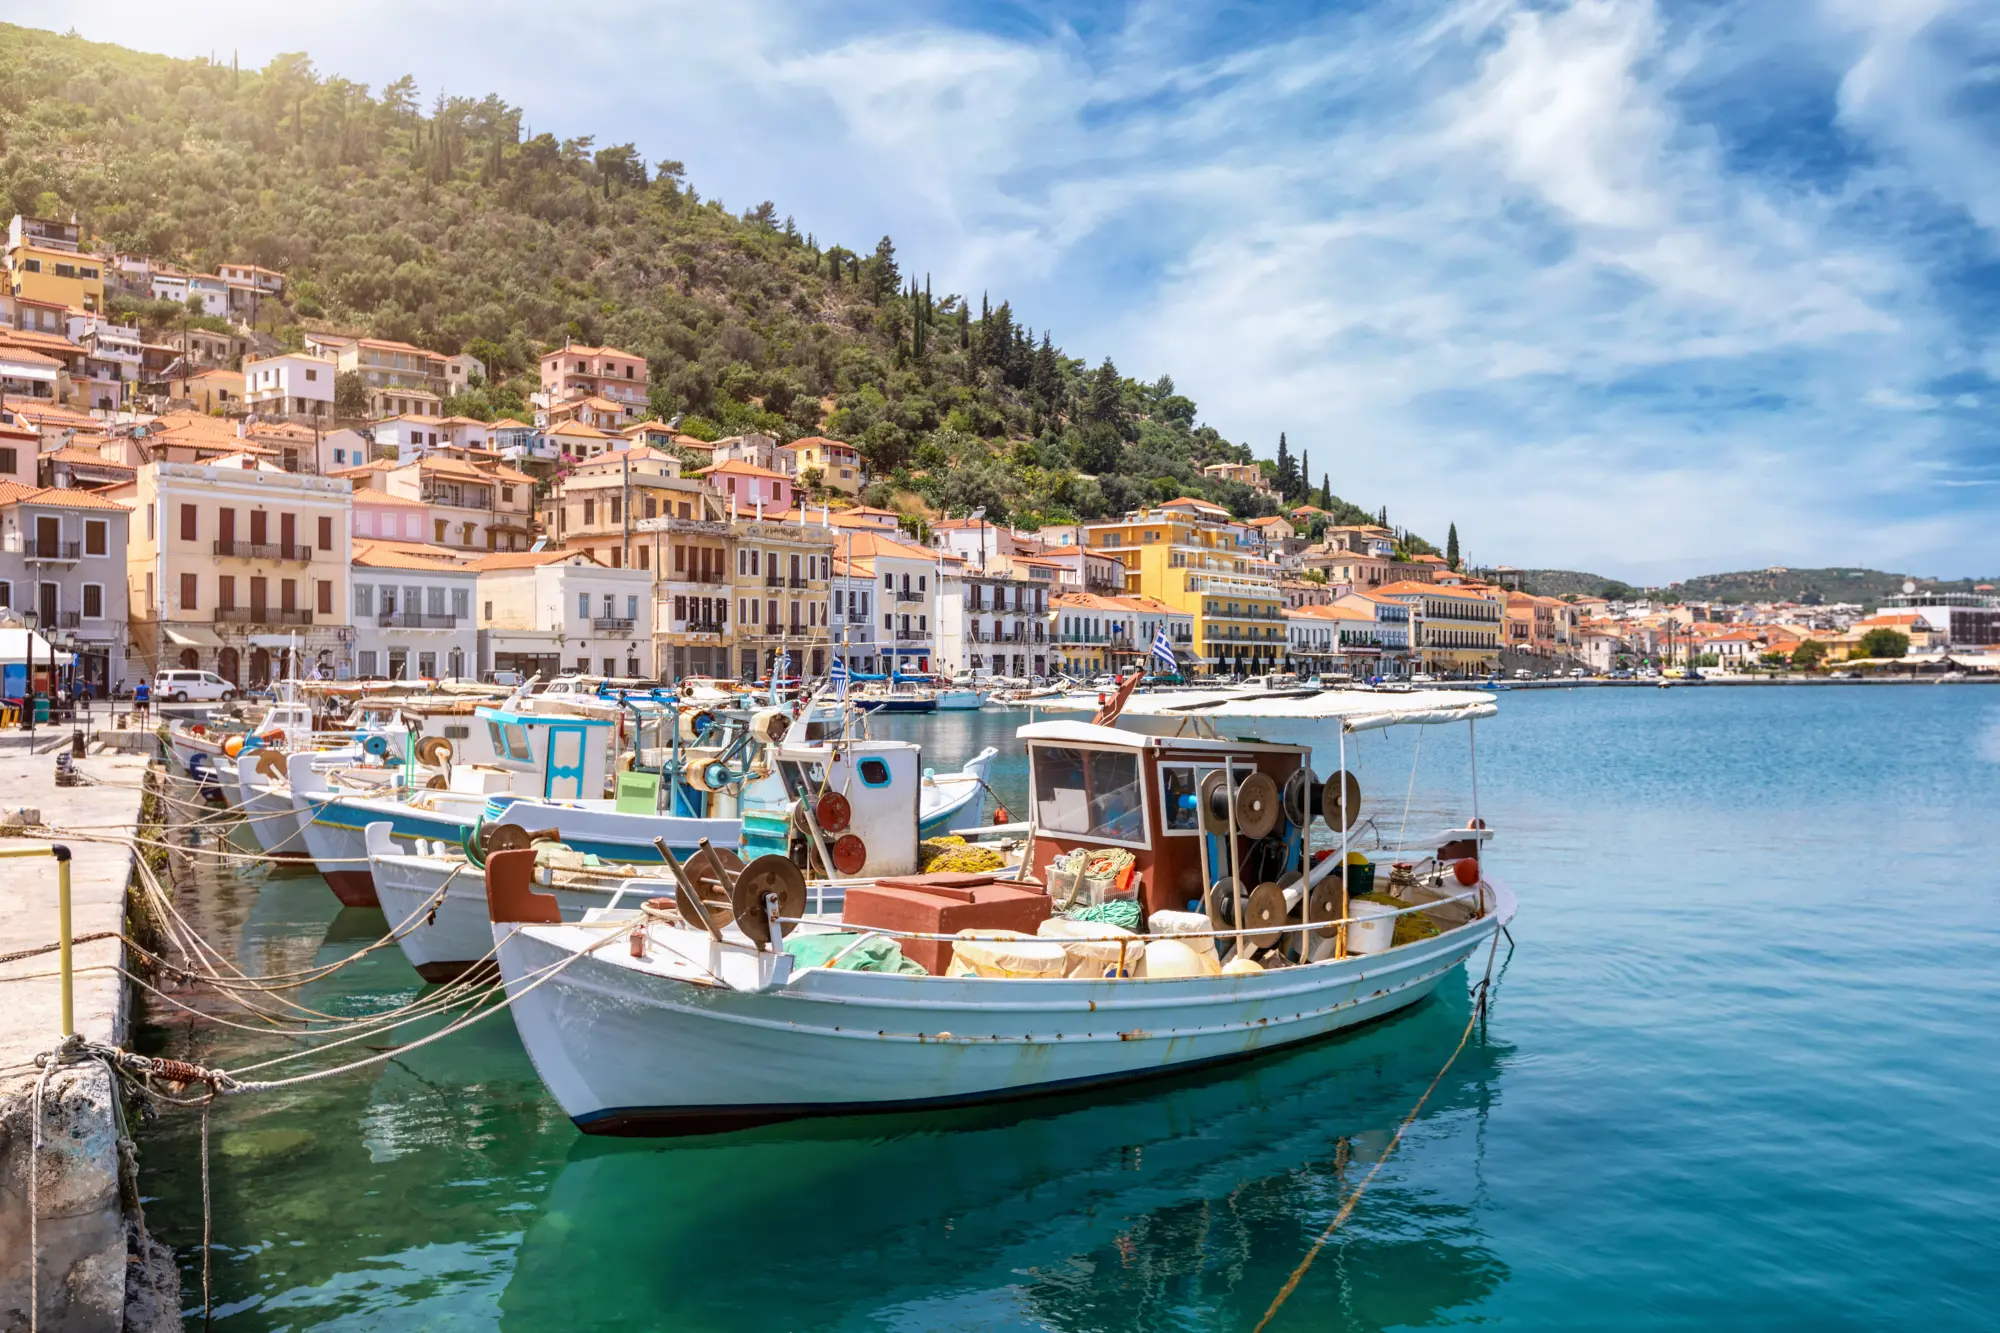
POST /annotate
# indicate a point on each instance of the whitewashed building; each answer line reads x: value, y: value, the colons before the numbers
x: 561, y: 611
x: 412, y: 608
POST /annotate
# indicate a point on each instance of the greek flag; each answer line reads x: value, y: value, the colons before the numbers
x: 837, y: 677
x: 784, y: 665
x: 1163, y: 652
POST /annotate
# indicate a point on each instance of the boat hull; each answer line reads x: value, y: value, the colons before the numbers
x: 274, y: 820
x: 456, y: 938
x: 897, y: 705
x: 629, y: 1051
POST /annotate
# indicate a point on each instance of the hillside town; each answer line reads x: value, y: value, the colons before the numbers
x: 210, y: 499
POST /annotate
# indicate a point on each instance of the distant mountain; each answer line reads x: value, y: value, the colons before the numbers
x: 1869, y: 587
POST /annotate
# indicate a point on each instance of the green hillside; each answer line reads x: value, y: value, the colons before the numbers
x: 1869, y: 587
x: 451, y: 226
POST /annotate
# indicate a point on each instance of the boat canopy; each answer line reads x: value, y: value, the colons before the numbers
x: 1355, y: 710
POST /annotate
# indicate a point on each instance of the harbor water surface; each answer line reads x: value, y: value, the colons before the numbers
x: 1741, y: 1071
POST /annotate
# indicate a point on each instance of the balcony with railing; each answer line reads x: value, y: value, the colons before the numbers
x: 795, y: 581
x: 236, y: 550
x: 611, y: 625
x: 452, y: 495
x: 773, y: 581
x: 260, y: 615
x: 909, y: 595
x: 415, y: 620
x: 913, y: 636
x: 698, y: 627
x: 35, y: 550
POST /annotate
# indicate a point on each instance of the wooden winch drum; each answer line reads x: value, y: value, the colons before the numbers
x: 1255, y: 800
x: 1256, y: 805
x: 712, y: 873
x: 1265, y: 907
x: 434, y: 752
x: 1340, y: 801
x: 766, y: 875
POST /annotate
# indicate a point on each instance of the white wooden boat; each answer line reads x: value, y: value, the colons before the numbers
x: 645, y: 1022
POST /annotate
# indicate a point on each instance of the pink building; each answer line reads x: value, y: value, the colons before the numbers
x: 749, y: 485
x: 603, y: 372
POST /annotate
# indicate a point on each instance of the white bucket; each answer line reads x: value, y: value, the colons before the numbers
x: 1371, y: 929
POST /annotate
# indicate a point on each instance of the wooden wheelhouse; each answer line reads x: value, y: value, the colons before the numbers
x: 1097, y: 787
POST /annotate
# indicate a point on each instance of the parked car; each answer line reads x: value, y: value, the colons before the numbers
x: 508, y: 678
x: 182, y: 686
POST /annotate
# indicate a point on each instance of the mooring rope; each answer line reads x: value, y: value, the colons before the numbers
x: 1353, y: 1198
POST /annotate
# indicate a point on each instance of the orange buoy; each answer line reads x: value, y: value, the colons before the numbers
x: 1466, y: 871
x: 233, y: 746
x: 1000, y: 815
x: 1475, y: 822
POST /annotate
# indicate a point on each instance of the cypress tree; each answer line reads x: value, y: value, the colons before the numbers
x: 1451, y: 546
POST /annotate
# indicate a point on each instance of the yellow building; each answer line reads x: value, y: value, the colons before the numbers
x: 1454, y: 631
x: 45, y: 263
x: 839, y: 463
x: 1183, y: 556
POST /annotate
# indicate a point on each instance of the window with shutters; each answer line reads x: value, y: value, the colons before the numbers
x: 364, y: 599
x: 189, y: 583
x: 96, y: 536
x: 93, y: 601
x: 188, y: 527
x: 325, y: 603
x: 326, y: 532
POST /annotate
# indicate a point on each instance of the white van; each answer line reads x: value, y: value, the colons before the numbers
x: 181, y: 686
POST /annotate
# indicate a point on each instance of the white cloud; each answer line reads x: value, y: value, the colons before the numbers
x: 1482, y: 258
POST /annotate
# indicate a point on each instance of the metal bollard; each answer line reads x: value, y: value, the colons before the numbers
x: 62, y: 858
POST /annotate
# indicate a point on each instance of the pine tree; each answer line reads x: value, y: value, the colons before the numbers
x: 1325, y: 491
x: 1451, y: 546
x: 1305, y: 476
x: 1286, y: 473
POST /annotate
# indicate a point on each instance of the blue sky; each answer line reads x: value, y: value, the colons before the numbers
x: 1642, y: 287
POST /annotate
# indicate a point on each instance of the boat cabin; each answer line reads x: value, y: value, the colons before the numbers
x: 556, y: 756
x: 1096, y: 788
x: 881, y: 784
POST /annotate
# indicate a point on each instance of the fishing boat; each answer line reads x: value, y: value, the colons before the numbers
x: 893, y: 696
x: 729, y: 1006
x: 849, y: 810
x: 689, y: 775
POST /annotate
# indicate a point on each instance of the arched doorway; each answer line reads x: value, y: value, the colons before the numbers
x: 190, y: 659
x: 229, y: 666
x: 260, y: 667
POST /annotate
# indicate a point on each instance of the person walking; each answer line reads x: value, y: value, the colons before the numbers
x: 142, y: 698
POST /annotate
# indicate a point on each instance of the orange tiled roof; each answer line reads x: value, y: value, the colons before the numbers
x: 736, y: 467
x: 529, y: 559
x: 406, y: 555
x: 71, y: 499
x: 369, y: 495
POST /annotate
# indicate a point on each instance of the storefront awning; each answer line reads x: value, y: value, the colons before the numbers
x: 193, y: 636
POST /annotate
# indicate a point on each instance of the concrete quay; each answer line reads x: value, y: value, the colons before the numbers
x: 92, y: 1257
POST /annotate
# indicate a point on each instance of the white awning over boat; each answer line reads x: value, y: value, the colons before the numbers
x: 1356, y: 710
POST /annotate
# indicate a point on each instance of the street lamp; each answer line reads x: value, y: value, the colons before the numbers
x: 30, y: 620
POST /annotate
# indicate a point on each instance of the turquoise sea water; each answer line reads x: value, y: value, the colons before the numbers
x: 1742, y: 1071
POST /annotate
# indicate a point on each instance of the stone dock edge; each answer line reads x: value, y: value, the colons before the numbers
x: 98, y: 1267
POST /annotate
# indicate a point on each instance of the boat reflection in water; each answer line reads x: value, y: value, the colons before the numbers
x: 1185, y: 1205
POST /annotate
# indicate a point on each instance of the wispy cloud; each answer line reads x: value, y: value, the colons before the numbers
x: 1644, y: 287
